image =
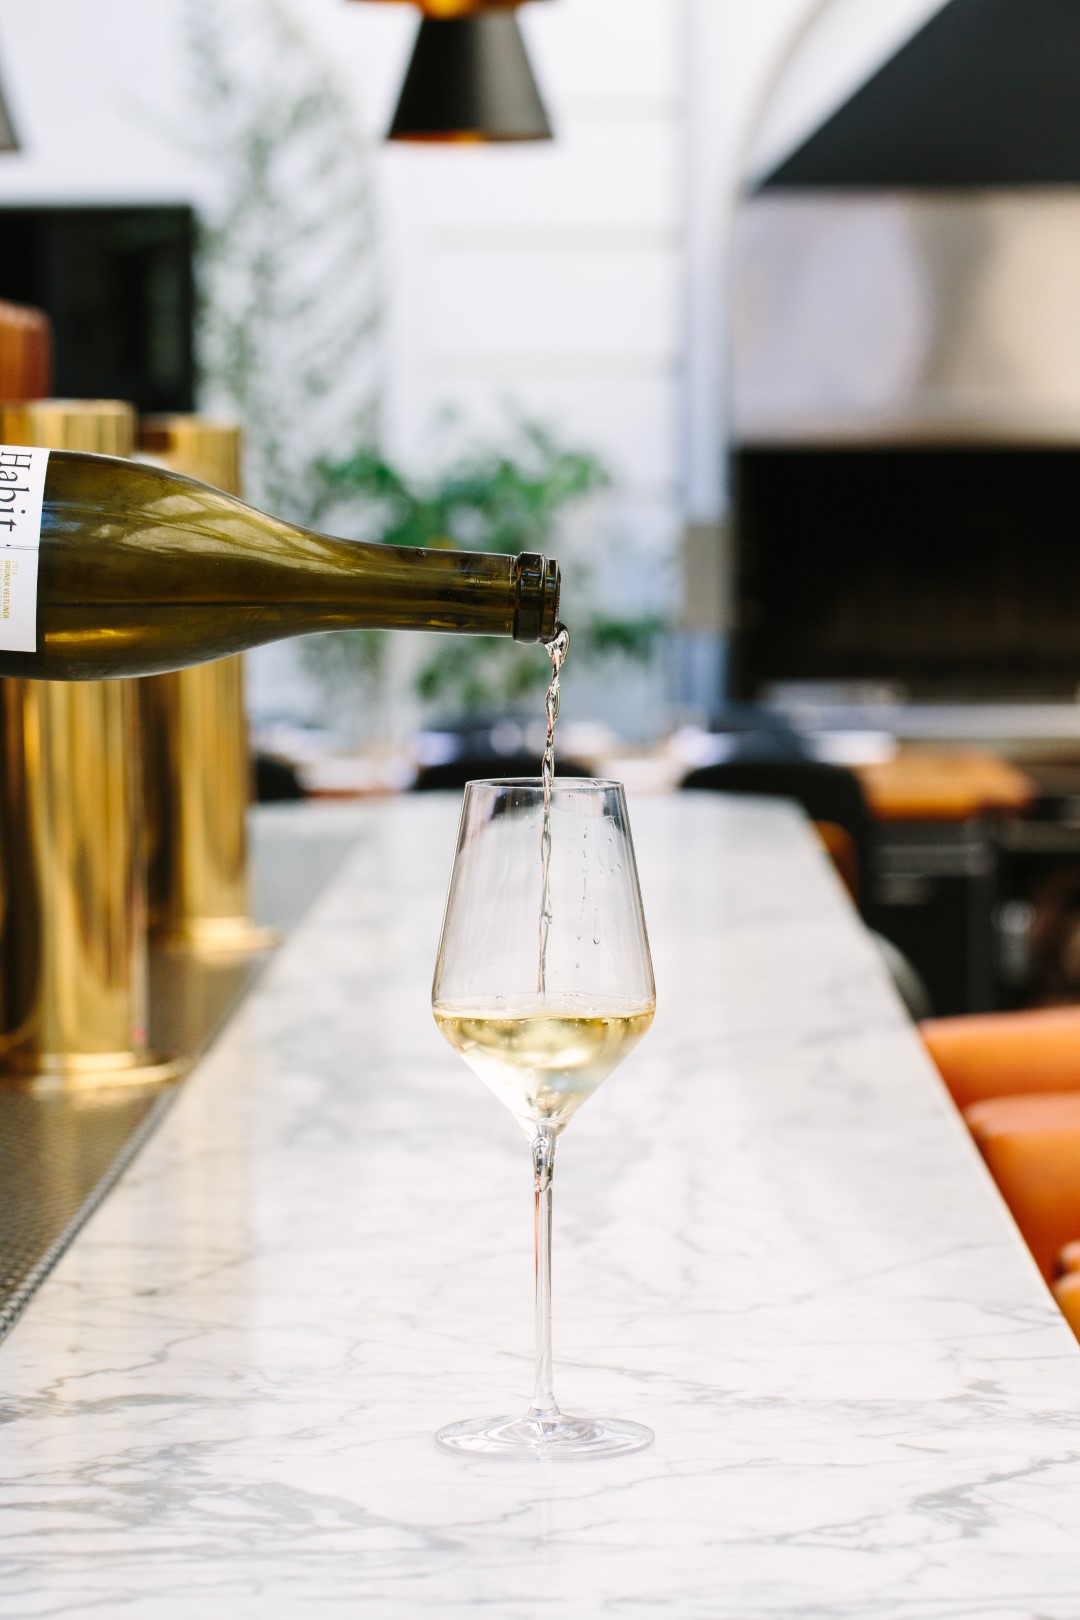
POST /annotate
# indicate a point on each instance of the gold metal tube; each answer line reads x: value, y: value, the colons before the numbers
x: 73, y: 966
x: 195, y: 741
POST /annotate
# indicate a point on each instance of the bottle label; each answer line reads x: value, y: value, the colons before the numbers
x: 22, y: 487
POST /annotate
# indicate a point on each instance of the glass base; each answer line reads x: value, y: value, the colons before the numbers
x: 545, y: 1437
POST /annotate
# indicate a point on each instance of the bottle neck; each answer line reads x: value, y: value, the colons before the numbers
x: 468, y: 592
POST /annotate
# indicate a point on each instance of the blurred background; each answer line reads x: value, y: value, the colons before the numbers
x: 765, y: 323
x: 554, y: 308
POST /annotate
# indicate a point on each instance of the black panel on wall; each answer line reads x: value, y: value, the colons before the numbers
x: 117, y: 283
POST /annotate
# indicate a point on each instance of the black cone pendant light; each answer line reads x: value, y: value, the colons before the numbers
x: 470, y: 80
x: 457, y: 8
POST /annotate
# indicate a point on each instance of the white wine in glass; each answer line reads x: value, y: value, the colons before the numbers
x: 542, y: 1036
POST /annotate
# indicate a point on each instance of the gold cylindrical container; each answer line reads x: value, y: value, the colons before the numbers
x: 73, y: 997
x: 198, y: 767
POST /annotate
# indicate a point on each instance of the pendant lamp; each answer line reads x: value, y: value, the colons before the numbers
x: 455, y: 8
x: 469, y: 79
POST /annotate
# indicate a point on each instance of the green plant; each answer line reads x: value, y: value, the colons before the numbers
x: 489, y: 500
x: 288, y: 305
x: 508, y: 498
x: 289, y: 310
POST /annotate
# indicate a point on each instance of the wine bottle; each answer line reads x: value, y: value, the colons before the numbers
x: 109, y: 567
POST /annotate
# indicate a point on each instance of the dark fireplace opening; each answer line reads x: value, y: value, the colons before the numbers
x: 948, y: 572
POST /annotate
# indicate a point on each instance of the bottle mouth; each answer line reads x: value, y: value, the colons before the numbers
x: 537, y: 584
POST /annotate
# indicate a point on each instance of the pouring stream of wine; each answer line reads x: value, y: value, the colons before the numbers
x: 556, y: 650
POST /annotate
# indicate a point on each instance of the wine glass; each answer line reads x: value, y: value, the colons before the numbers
x: 543, y: 983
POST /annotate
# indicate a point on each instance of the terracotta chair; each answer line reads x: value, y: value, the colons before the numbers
x: 26, y: 361
x: 1067, y: 1293
x: 1032, y: 1147
x: 1069, y: 1258
x: 1006, y: 1054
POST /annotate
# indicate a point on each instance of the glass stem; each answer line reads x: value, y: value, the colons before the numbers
x: 543, y: 1408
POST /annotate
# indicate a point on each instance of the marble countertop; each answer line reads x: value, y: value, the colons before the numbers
x: 774, y: 1244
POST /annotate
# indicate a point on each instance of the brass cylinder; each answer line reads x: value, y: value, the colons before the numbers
x: 73, y: 998
x: 195, y: 742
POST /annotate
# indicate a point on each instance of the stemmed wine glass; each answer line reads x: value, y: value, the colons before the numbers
x: 543, y: 983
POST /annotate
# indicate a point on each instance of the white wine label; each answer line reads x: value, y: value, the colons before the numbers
x: 22, y: 487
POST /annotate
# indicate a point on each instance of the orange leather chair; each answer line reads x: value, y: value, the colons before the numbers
x: 1067, y: 1294
x: 26, y: 361
x: 1006, y: 1054
x: 1066, y: 1285
x: 1032, y: 1147
x: 1017, y: 1078
x: 1069, y: 1258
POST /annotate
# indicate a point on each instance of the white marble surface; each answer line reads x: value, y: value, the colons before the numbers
x: 774, y: 1244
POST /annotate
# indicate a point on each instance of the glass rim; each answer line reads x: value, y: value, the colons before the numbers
x: 561, y: 784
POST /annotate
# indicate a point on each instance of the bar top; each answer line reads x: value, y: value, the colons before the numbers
x: 774, y: 1244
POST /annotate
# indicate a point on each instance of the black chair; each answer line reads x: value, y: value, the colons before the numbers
x: 276, y: 781
x: 454, y: 773
x: 754, y: 733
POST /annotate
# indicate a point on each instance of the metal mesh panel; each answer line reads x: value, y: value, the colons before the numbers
x: 59, y: 1155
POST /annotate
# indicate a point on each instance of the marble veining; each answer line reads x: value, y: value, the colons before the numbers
x: 774, y: 1244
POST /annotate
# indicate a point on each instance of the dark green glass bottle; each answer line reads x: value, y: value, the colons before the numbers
x: 139, y: 570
